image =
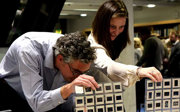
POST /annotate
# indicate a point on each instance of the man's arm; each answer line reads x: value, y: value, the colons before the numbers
x: 31, y: 79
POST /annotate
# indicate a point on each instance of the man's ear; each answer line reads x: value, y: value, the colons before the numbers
x: 59, y: 58
x: 59, y: 61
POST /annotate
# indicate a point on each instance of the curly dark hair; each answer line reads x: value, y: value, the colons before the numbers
x: 74, y: 46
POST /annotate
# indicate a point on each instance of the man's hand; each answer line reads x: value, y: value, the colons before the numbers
x: 81, y: 80
x: 86, y: 81
x: 150, y: 72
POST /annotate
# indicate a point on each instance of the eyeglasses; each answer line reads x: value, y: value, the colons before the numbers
x: 75, y: 71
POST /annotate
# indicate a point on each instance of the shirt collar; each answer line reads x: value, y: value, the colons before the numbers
x: 49, y: 58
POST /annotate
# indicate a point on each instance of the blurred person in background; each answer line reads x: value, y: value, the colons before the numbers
x: 174, y: 39
x: 138, y: 49
x: 154, y: 50
x: 153, y: 55
x: 173, y: 69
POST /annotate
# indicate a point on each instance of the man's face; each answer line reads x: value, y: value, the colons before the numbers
x: 72, y: 70
x: 172, y: 38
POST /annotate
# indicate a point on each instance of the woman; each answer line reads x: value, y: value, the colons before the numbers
x: 110, y: 36
x: 138, y: 49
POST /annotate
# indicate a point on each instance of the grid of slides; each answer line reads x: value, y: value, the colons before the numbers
x: 107, y: 98
x: 163, y: 96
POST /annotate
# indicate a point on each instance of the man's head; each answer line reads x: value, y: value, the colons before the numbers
x: 173, y: 36
x: 144, y: 33
x: 73, y: 55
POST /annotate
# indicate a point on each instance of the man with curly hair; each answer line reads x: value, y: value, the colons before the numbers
x: 40, y: 70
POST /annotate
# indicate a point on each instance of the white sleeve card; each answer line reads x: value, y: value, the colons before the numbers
x: 162, y: 96
x: 107, y: 98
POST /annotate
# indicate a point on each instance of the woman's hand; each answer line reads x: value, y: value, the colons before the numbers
x: 150, y: 72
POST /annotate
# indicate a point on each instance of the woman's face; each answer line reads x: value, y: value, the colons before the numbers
x: 117, y: 25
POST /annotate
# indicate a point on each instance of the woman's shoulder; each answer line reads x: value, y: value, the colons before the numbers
x: 93, y: 42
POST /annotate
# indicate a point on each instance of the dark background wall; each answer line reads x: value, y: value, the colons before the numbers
x: 37, y: 15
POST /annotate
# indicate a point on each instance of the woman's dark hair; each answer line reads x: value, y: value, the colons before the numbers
x: 101, y: 26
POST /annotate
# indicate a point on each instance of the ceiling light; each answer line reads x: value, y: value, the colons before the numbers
x: 151, y: 5
x: 83, y: 15
x: 134, y: 5
x: 64, y: 14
